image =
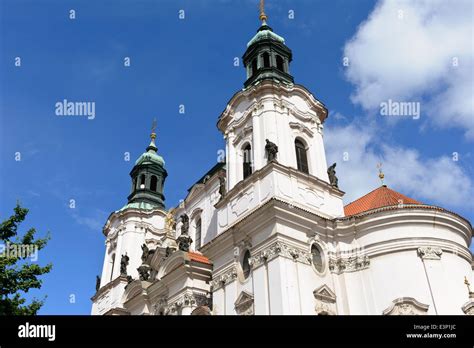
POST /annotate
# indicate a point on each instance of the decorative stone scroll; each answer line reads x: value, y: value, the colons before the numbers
x: 430, y: 253
x: 244, y: 305
x: 406, y: 306
x: 224, y: 278
x: 188, y: 299
x: 161, y: 307
x: 349, y: 264
x: 280, y: 249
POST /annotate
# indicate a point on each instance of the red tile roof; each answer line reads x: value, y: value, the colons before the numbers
x: 198, y: 258
x: 378, y: 198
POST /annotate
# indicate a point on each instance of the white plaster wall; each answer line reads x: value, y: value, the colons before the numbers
x: 230, y: 297
x: 398, y: 275
x: 218, y: 302
x: 405, y: 228
x: 277, y: 287
x: 260, y: 290
x: 297, y: 191
x: 447, y: 280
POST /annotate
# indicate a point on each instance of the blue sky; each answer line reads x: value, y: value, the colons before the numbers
x: 190, y: 62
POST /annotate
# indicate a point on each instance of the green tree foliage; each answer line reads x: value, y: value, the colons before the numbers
x: 18, y: 275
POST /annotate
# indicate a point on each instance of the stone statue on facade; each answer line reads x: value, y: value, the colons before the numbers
x: 144, y: 272
x: 222, y: 189
x: 145, y: 252
x: 184, y: 242
x: 271, y: 150
x: 123, y: 264
x: 332, y: 175
x: 170, y: 223
x: 185, y: 224
x: 97, y: 283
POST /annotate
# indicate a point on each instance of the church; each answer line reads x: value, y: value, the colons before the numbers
x: 265, y: 231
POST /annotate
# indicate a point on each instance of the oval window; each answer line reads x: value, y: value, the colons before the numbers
x: 317, y: 258
x: 246, y: 264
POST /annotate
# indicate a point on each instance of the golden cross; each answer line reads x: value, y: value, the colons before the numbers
x: 467, y: 284
x: 381, y: 174
x: 263, y: 16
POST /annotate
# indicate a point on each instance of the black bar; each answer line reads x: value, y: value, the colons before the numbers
x: 292, y: 331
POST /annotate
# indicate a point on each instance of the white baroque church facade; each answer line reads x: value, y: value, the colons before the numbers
x: 266, y: 231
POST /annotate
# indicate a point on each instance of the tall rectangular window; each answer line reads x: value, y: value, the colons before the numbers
x: 197, y: 236
x: 301, y: 156
x: 247, y: 161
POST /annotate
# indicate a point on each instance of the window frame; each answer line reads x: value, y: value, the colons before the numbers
x: 245, y: 261
x: 154, y: 177
x: 321, y: 270
x: 196, y: 237
x: 279, y: 59
x: 247, y: 166
x: 301, y: 161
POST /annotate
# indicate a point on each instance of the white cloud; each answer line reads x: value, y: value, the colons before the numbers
x: 411, y: 59
x: 439, y: 181
x: 95, y: 222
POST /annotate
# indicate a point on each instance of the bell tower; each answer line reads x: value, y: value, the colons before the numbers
x: 148, y: 177
x: 134, y: 233
x: 275, y: 126
x: 267, y: 56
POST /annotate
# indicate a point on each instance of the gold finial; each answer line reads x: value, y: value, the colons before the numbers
x: 153, y: 129
x: 381, y: 174
x: 263, y: 16
x: 471, y: 294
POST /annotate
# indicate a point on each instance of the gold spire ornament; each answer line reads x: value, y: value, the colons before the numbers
x: 263, y: 16
x: 381, y: 174
x: 153, y: 129
x: 471, y: 294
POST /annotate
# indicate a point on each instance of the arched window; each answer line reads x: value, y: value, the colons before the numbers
x: 153, y: 183
x: 142, y: 181
x: 301, y: 156
x: 280, y: 63
x: 317, y: 258
x: 197, y: 235
x: 134, y: 184
x: 266, y: 60
x: 112, y: 267
x: 246, y: 264
x: 247, y: 160
x: 254, y: 66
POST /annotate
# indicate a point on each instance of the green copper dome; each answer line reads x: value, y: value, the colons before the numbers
x: 265, y: 33
x: 150, y: 156
x: 267, y: 57
x: 139, y: 205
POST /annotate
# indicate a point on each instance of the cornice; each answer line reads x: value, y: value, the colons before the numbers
x: 123, y: 214
x: 347, y: 227
x: 275, y: 88
x: 414, y: 243
x: 242, y: 185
